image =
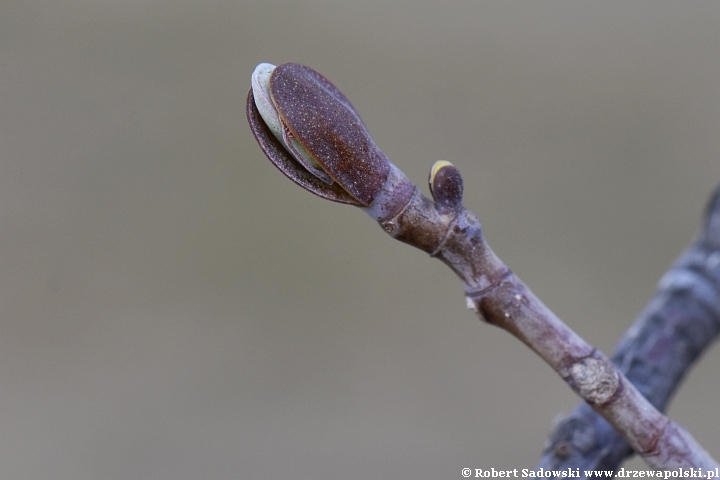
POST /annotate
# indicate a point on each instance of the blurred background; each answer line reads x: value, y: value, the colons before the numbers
x: 171, y: 307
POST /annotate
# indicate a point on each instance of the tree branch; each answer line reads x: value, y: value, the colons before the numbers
x: 679, y: 322
x: 312, y: 133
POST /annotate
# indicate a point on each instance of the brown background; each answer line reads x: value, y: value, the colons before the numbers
x: 172, y: 307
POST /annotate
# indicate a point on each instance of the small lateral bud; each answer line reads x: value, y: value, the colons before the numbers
x: 446, y: 184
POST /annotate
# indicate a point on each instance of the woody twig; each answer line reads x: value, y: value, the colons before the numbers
x: 312, y: 133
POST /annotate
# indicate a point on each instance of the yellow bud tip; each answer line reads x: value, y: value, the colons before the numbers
x: 436, y: 168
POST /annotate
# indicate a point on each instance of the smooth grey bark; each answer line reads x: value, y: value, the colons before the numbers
x: 677, y: 325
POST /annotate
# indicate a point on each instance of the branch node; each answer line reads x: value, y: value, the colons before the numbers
x: 594, y: 378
